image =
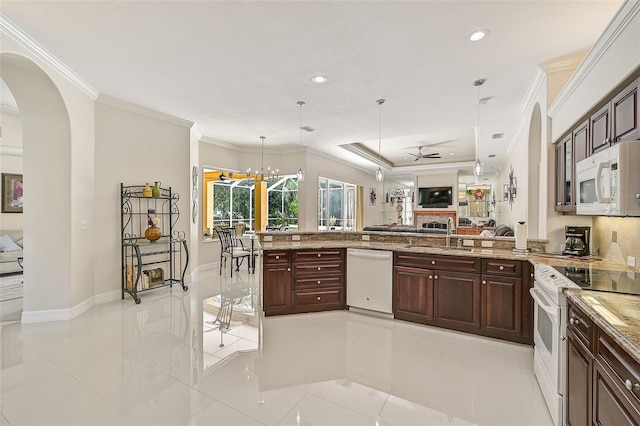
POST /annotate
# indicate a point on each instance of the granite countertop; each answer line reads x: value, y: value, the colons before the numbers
x: 494, y: 253
x: 616, y: 314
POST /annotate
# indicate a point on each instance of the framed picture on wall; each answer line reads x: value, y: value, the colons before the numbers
x: 372, y: 196
x: 11, y: 193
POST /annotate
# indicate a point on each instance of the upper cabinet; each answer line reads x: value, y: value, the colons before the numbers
x: 625, y: 114
x: 564, y: 158
x: 600, y: 123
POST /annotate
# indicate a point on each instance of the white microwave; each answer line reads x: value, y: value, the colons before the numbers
x: 608, y: 182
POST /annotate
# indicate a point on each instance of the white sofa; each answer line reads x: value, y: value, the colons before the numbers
x: 9, y: 259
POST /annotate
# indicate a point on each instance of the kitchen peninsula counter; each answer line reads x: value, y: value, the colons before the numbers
x: 398, y: 242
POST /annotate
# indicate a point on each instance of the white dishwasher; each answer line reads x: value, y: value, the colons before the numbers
x: 369, y: 280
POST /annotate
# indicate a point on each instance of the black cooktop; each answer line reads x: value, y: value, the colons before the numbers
x: 602, y: 280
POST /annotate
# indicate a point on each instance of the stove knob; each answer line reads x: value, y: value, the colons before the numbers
x: 638, y: 196
x: 574, y: 321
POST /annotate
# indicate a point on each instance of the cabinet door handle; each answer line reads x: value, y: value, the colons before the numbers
x: 433, y: 262
x: 574, y: 321
x: 318, y: 297
x: 277, y: 257
x: 531, y: 275
x: 318, y: 268
x: 318, y: 281
x: 436, y: 277
x: 430, y: 277
x: 631, y: 386
x: 501, y: 268
x: 484, y: 281
x: 319, y: 255
x: 288, y: 269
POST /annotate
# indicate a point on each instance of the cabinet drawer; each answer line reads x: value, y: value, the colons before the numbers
x: 317, y: 299
x: 448, y: 263
x: 318, y: 269
x: 624, y: 370
x: 318, y: 255
x: 502, y: 267
x: 315, y: 282
x: 581, y: 326
x: 276, y: 256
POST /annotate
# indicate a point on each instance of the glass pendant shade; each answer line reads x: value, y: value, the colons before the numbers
x: 379, y: 175
x: 478, y: 168
x: 300, y: 173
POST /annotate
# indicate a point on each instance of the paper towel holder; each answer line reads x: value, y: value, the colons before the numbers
x: 521, y: 250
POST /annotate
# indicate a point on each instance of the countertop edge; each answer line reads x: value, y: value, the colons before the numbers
x: 628, y: 341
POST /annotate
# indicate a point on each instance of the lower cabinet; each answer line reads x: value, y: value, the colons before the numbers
x: 603, y: 380
x: 413, y: 294
x: 480, y: 296
x: 458, y: 299
x: 297, y: 281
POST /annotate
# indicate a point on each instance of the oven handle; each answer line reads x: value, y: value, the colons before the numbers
x: 542, y: 301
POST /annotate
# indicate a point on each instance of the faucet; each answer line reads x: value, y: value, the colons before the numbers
x: 450, y: 230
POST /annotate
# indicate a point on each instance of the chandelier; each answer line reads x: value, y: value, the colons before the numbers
x: 263, y: 174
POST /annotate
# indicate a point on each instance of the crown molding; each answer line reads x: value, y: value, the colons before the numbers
x: 565, y: 63
x: 217, y: 142
x: 625, y: 15
x: 539, y: 78
x: 128, y: 106
x: 20, y: 37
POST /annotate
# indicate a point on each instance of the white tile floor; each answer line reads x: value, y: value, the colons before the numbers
x: 160, y: 362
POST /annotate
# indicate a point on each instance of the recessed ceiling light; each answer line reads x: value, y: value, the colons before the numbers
x: 319, y: 79
x: 478, y: 35
x: 452, y: 153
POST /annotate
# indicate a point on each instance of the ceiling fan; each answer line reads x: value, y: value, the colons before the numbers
x: 420, y: 155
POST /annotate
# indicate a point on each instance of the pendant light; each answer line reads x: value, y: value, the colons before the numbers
x: 379, y: 172
x: 478, y: 167
x: 300, y: 173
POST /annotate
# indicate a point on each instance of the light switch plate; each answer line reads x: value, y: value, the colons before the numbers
x: 631, y: 261
x: 295, y: 238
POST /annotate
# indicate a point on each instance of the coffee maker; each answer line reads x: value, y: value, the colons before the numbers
x: 576, y: 240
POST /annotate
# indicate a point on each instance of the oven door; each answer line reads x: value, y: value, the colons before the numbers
x: 547, y: 352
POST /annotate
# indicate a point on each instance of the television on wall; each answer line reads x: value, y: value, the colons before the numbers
x: 435, y: 196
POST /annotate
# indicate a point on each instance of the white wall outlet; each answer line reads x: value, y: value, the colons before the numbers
x: 487, y: 244
x: 84, y: 224
x: 631, y: 261
x: 468, y: 243
x: 267, y: 238
x: 295, y: 238
x: 366, y: 237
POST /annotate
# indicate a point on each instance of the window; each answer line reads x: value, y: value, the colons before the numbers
x: 228, y: 200
x: 336, y: 205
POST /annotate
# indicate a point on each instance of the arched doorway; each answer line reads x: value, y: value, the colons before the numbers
x: 47, y: 178
x: 535, y: 142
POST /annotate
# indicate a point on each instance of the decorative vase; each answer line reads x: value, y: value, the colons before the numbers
x: 146, y: 191
x: 152, y: 233
x: 156, y: 190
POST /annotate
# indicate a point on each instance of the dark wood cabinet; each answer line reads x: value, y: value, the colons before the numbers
x: 600, y: 129
x: 303, y: 281
x: 603, y: 380
x: 276, y: 271
x: 476, y: 295
x: 413, y: 294
x: 581, y: 142
x: 625, y: 114
x: 565, y: 201
x: 457, y: 296
x: 501, y: 304
x: 579, y: 367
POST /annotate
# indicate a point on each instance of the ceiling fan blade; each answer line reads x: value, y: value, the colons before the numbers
x: 417, y: 158
x: 433, y: 155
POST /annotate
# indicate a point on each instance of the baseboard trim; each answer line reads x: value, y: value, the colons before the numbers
x: 30, y: 317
